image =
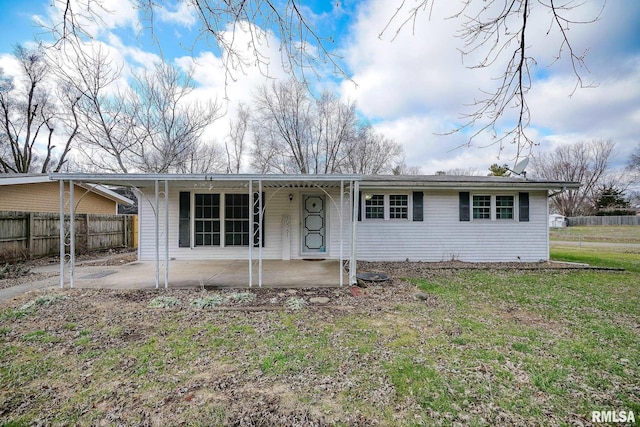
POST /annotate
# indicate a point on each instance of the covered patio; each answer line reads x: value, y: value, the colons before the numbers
x: 211, y: 275
x: 341, y: 191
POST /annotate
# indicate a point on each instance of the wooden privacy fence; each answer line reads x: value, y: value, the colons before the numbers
x: 604, y: 220
x: 33, y: 234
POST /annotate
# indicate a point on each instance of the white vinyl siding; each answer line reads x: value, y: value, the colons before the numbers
x: 443, y: 237
x: 277, y: 206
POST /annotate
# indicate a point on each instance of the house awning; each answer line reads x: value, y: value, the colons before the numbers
x: 253, y: 184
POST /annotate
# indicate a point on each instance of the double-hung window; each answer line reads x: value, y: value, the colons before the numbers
x: 504, y: 207
x: 207, y: 220
x: 236, y: 222
x: 481, y: 207
x: 500, y: 207
x: 374, y: 206
x: 386, y: 206
x: 398, y: 206
x: 221, y: 220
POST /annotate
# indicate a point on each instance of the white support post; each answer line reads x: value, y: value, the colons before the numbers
x: 166, y: 233
x: 341, y: 231
x: 62, y: 245
x: 259, y: 234
x: 157, y: 234
x: 354, y: 234
x: 72, y: 232
x: 251, y: 233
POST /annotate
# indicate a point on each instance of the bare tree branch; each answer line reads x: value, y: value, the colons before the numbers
x: 495, y: 30
x: 583, y: 162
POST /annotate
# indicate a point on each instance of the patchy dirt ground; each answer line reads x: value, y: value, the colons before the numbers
x: 43, y: 268
x: 104, y: 357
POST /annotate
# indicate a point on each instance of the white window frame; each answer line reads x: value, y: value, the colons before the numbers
x: 222, y: 220
x: 493, y: 208
x: 387, y: 206
x: 491, y: 204
x: 513, y: 207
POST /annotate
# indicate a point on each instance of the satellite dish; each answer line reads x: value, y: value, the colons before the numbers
x: 518, y: 169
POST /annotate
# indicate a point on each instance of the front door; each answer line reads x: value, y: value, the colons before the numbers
x: 314, y: 224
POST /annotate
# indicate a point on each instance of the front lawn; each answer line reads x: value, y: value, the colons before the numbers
x: 443, y: 347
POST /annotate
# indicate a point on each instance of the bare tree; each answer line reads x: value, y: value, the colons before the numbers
x: 334, y: 133
x: 495, y: 30
x: 105, y: 135
x: 235, y: 142
x: 294, y: 133
x: 282, y: 129
x: 168, y: 125
x: 461, y: 172
x: 634, y: 162
x: 371, y: 153
x: 151, y: 126
x: 302, y: 49
x: 206, y: 158
x: 583, y: 162
x: 31, y: 121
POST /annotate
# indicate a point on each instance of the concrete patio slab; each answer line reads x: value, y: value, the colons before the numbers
x: 212, y: 274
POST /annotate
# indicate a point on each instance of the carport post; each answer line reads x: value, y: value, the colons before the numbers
x: 62, y: 249
x: 157, y: 234
x: 341, y: 231
x: 166, y: 233
x: 251, y: 233
x: 259, y: 233
x: 354, y: 235
x: 72, y: 232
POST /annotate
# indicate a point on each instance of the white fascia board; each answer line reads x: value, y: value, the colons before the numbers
x: 22, y: 179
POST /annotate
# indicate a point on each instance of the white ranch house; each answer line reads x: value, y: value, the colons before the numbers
x: 340, y: 217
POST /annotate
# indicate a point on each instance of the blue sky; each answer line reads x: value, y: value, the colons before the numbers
x: 412, y: 88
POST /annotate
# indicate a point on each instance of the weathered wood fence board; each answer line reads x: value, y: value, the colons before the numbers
x: 603, y: 220
x: 31, y: 234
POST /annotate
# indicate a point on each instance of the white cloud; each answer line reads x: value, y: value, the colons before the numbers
x: 416, y: 86
x: 183, y: 14
x: 105, y: 16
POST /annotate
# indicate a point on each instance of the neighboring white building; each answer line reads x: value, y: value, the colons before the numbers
x: 557, y: 221
x: 346, y: 217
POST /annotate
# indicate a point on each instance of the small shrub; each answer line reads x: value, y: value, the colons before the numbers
x: 209, y: 301
x: 294, y: 303
x: 164, y: 302
x: 242, y: 297
x: 44, y: 300
x: 9, y: 271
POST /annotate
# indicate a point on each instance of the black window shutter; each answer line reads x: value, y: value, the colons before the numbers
x: 360, y: 207
x: 523, y: 201
x: 256, y: 218
x: 464, y: 206
x: 418, y: 209
x: 184, y: 224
